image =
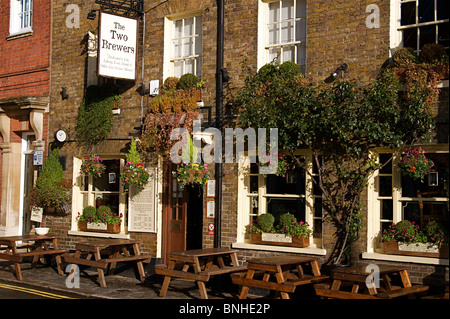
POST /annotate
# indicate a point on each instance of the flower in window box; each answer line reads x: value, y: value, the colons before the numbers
x: 285, y: 163
x: 93, y: 165
x: 415, y: 164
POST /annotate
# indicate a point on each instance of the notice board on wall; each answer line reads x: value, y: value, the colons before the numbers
x: 142, y: 206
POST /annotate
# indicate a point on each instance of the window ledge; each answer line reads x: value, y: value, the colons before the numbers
x: 20, y: 34
x: 308, y: 250
x: 100, y: 235
x: 408, y: 259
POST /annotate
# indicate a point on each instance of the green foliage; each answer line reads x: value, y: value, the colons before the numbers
x: 89, y: 214
x: 287, y: 219
x: 341, y: 123
x: 408, y: 232
x: 265, y: 222
x: 95, y: 118
x: 133, y: 155
x: 102, y: 212
x: 50, y: 191
x: 188, y: 81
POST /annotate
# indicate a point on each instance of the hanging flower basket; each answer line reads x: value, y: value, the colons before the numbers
x: 134, y: 174
x: 415, y: 164
x: 286, y: 164
x: 93, y: 165
x: 192, y: 173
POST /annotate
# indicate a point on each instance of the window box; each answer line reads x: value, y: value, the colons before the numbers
x: 416, y: 249
x: 279, y: 240
x: 99, y: 227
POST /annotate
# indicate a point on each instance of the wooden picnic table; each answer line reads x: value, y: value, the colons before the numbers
x: 287, y: 270
x: 115, y: 250
x: 356, y: 279
x: 38, y: 245
x: 198, y: 265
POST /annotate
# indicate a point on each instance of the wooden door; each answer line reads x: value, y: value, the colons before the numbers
x: 175, y: 208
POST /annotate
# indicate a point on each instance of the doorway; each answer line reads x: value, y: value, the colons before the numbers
x: 183, y: 215
x: 28, y: 179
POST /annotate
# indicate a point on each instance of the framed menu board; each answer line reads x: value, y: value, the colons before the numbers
x: 142, y: 206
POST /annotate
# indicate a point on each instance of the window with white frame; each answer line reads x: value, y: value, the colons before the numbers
x: 97, y: 191
x: 395, y: 197
x: 21, y: 16
x: 183, y: 46
x: 294, y: 194
x: 282, y: 32
x: 422, y: 22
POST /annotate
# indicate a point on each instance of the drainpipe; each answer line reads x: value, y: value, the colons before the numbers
x: 219, y: 107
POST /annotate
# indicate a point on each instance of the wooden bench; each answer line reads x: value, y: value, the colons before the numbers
x: 204, y: 275
x: 89, y: 254
x: 43, y: 246
x: 324, y: 290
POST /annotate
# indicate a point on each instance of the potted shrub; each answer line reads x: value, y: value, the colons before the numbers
x: 101, y: 220
x: 190, y: 82
x: 415, y: 164
x: 406, y: 238
x: 51, y: 191
x: 92, y: 165
x: 134, y: 172
x: 287, y: 232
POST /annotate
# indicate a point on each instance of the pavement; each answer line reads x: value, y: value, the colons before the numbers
x: 123, y: 284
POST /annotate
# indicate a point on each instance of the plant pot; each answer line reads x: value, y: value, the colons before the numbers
x: 99, y: 227
x: 416, y: 249
x: 198, y: 95
x: 277, y: 239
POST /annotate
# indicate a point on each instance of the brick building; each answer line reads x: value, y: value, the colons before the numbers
x: 317, y: 35
x: 24, y: 98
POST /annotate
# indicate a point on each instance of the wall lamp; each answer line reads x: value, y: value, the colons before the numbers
x: 64, y: 94
x: 92, y: 15
x: 336, y: 72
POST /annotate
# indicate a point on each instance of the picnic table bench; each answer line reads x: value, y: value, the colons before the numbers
x: 356, y: 278
x: 39, y: 245
x: 198, y: 265
x: 116, y: 250
x: 287, y: 270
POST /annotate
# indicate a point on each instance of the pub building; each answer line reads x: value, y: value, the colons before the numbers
x: 131, y: 48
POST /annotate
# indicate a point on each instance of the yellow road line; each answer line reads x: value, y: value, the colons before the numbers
x: 34, y: 292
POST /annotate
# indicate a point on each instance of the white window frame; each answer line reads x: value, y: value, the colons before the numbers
x: 77, y: 199
x: 169, y: 37
x: 245, y: 197
x: 374, y: 200
x: 263, y: 35
x: 18, y: 16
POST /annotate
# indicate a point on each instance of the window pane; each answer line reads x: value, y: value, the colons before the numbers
x: 189, y: 66
x: 277, y: 207
x: 408, y: 15
x: 287, y: 9
x: 422, y: 212
x: 273, y: 33
x: 274, y: 11
x: 385, y: 159
x: 442, y: 9
x: 110, y: 200
x: 178, y: 28
x: 386, y: 209
x: 177, y: 49
x: 300, y: 30
x: 178, y: 68
x: 426, y: 11
x: 274, y: 53
x: 253, y: 184
x: 279, y: 185
x: 104, y: 183
x: 188, y: 27
x: 287, y: 32
x: 288, y: 53
x: 188, y: 46
x: 300, y: 10
x: 318, y: 207
x: 443, y: 34
x: 427, y: 35
x: 410, y: 38
x: 385, y: 185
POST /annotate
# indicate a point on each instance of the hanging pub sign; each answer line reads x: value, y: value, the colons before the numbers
x: 117, y: 47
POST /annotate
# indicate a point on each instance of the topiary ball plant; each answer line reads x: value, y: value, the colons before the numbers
x: 188, y: 81
x: 265, y: 222
x: 102, y: 212
x: 89, y: 214
x: 287, y: 219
